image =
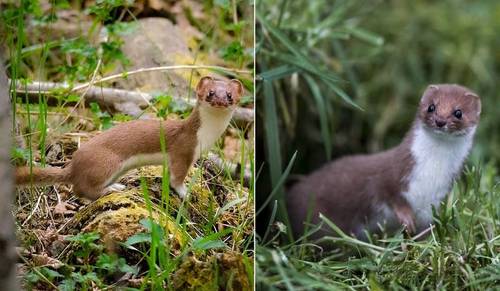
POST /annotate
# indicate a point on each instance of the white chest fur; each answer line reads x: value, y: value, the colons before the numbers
x: 438, y: 160
x: 214, y: 122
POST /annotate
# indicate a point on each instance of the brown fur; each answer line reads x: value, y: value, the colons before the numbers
x: 43, y: 176
x: 351, y: 190
x: 121, y: 142
x: 348, y: 190
x: 103, y: 157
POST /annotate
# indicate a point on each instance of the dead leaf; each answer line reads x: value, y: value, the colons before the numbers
x: 231, y: 148
x: 46, y: 261
x: 64, y: 208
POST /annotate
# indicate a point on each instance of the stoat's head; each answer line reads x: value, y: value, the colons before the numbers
x: 449, y: 109
x: 218, y: 93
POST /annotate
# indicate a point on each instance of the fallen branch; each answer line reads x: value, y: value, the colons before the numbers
x: 159, y: 69
x: 128, y: 102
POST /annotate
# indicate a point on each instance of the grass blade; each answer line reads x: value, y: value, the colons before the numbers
x: 323, y: 118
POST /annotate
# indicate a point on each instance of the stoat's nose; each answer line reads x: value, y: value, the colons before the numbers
x: 440, y: 122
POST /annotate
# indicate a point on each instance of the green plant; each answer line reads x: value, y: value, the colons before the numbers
x: 80, y: 281
x: 95, y: 267
x: 111, y: 264
x: 101, y: 119
x: 38, y: 274
x: 166, y: 104
x: 87, y: 245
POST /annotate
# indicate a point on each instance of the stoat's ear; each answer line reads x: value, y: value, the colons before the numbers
x: 237, y: 86
x: 428, y: 93
x: 476, y: 100
x: 433, y: 87
x: 473, y: 95
x: 203, y: 84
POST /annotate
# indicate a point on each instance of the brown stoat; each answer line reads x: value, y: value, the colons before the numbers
x: 397, y: 187
x: 98, y: 163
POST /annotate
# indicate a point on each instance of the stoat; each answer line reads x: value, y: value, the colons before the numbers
x: 98, y: 163
x: 397, y: 187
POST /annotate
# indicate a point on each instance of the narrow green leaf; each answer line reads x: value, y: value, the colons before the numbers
x: 278, y: 185
x: 229, y: 205
x: 366, y: 35
x: 206, y: 245
x: 343, y: 95
x: 272, y: 133
x: 323, y: 118
x: 278, y: 73
x: 138, y: 238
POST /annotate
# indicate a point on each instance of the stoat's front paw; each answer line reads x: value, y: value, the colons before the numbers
x: 407, y: 219
x: 116, y: 187
x: 181, y: 190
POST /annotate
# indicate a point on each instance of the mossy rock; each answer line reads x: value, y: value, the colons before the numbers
x: 222, y: 271
x: 201, y: 197
x: 117, y: 216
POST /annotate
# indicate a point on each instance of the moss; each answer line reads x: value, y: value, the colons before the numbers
x: 233, y: 271
x: 223, y: 271
x: 201, y: 196
x: 117, y: 216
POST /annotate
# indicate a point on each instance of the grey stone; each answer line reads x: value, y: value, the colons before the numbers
x: 154, y: 42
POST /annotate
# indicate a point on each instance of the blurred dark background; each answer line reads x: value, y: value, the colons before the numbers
x: 318, y: 60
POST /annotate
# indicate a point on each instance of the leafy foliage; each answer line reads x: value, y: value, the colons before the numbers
x: 101, y: 119
x: 89, y: 273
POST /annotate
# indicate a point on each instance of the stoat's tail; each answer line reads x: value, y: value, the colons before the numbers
x: 41, y: 176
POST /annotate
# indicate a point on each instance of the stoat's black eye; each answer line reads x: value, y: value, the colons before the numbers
x: 431, y: 108
x: 229, y: 96
x: 458, y: 113
x: 211, y: 93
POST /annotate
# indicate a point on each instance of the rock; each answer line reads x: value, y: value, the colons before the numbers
x: 200, y: 199
x: 155, y: 42
x: 221, y: 271
x: 117, y: 216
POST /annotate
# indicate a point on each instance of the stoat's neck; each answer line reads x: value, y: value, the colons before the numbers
x: 438, y: 160
x: 213, y: 123
x: 428, y: 146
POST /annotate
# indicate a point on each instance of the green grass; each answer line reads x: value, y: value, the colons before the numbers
x: 461, y: 252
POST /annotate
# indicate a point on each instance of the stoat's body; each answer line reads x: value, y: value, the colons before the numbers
x: 399, y: 186
x: 106, y: 157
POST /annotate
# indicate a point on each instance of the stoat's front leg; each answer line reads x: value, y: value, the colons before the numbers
x: 179, y: 167
x: 404, y: 213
